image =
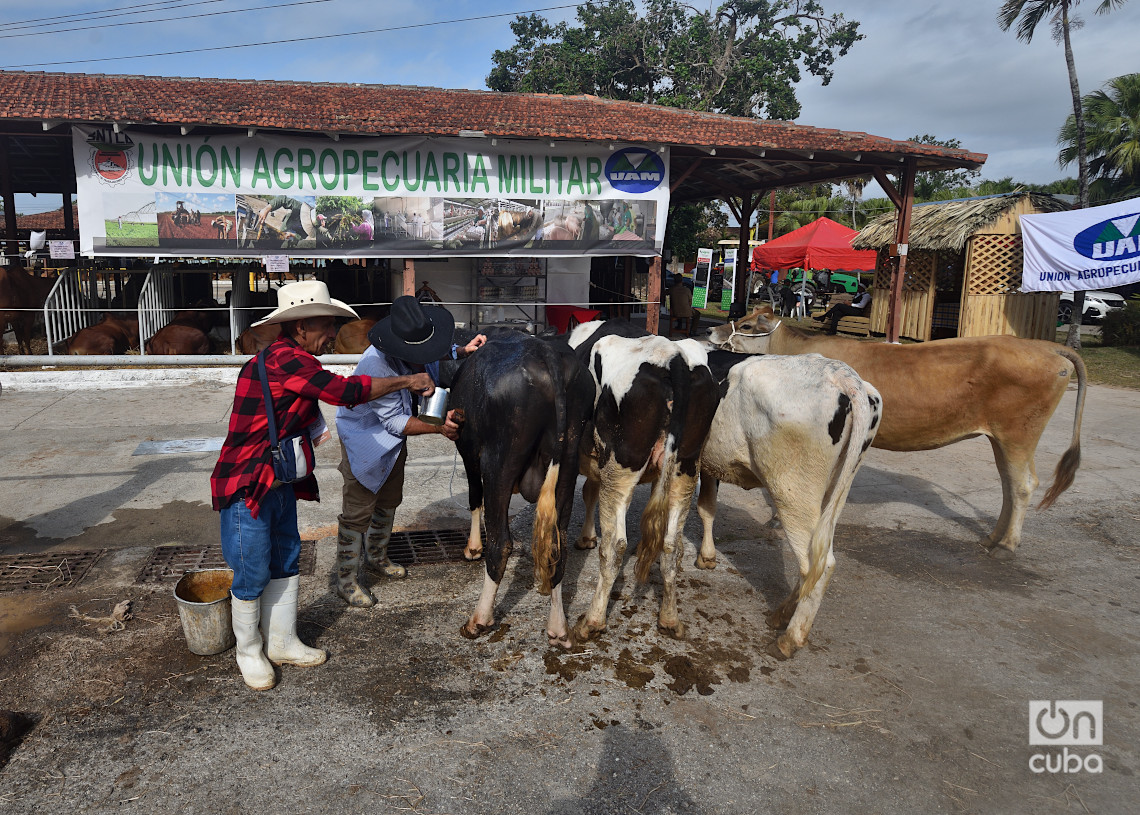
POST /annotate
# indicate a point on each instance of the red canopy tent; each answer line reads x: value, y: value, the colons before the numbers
x: 822, y: 244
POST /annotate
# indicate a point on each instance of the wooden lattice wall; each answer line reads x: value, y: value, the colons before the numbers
x: 992, y: 302
x: 917, y: 303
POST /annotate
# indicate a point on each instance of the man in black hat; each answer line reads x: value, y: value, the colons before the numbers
x: 412, y: 339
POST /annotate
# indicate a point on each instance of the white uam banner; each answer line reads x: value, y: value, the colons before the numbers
x: 1095, y: 248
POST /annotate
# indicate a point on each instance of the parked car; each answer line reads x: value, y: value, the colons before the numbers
x: 1097, y: 304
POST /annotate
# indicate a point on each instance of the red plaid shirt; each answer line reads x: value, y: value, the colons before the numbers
x: 296, y: 381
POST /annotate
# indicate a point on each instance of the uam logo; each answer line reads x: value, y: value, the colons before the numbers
x: 110, y: 156
x: 1114, y: 239
x: 635, y: 170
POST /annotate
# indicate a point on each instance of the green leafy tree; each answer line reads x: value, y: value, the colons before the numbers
x: 1029, y: 14
x: 1112, y: 133
x: 742, y: 58
x: 940, y: 185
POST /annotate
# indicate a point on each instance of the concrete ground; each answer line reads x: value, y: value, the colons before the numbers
x: 912, y: 696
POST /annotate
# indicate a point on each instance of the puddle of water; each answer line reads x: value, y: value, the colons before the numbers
x: 18, y: 614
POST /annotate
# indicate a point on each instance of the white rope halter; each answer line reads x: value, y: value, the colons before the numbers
x: 741, y: 333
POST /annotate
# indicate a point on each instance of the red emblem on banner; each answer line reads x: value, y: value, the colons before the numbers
x: 110, y: 164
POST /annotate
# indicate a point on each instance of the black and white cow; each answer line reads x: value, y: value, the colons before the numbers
x: 655, y: 401
x: 525, y: 403
x: 798, y: 426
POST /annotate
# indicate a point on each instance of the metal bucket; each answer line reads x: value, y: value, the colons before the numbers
x: 203, y: 599
x: 435, y: 411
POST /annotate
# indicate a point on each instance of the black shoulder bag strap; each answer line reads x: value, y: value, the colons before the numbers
x: 274, y: 442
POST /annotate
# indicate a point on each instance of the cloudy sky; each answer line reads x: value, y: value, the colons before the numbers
x: 940, y: 68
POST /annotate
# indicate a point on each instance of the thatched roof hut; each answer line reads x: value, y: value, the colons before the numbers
x: 947, y: 225
x: 963, y: 269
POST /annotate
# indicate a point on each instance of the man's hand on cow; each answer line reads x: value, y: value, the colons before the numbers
x: 473, y: 346
x: 450, y: 427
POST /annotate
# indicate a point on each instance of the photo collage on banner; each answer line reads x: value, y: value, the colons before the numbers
x: 233, y: 195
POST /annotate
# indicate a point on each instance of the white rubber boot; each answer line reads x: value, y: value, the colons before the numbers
x: 376, y: 544
x: 255, y: 668
x: 279, y: 625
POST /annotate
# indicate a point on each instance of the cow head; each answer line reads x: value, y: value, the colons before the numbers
x: 749, y: 335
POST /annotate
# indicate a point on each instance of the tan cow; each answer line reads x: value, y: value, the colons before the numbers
x: 937, y: 393
x: 352, y: 338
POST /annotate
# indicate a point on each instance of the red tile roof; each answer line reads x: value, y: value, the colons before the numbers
x: 394, y: 109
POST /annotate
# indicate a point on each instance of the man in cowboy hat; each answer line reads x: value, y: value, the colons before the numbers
x: 260, y: 539
x: 411, y: 340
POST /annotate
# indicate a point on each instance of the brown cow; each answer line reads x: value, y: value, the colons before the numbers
x: 937, y: 393
x: 185, y: 334
x: 20, y: 294
x: 254, y: 338
x: 111, y: 335
x: 353, y: 337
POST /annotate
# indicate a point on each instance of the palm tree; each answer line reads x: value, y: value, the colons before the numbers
x: 1112, y: 132
x: 1031, y: 13
x: 854, y: 187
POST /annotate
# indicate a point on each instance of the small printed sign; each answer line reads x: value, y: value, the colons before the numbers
x: 277, y: 264
x: 61, y: 250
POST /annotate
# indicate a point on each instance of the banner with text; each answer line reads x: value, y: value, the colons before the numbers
x: 1095, y: 248
x: 233, y: 195
x: 701, y: 278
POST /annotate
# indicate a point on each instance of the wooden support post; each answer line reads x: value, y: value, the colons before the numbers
x: 653, y: 310
x: 409, y: 276
x: 627, y: 289
x: 11, y: 240
x: 902, y: 238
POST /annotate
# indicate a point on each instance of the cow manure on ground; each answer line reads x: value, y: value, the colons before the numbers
x: 686, y: 675
x: 631, y: 672
x: 500, y: 633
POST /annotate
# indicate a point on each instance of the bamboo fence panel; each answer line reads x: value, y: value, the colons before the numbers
x: 992, y: 302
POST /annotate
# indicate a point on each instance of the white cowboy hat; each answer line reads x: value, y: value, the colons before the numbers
x: 306, y: 298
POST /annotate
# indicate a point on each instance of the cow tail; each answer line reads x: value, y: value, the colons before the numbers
x: 655, y: 519
x: 546, y: 541
x: 1067, y: 467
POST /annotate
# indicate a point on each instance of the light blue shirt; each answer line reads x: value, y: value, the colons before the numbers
x: 373, y: 432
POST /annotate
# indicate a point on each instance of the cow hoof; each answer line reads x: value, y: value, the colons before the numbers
x: 676, y: 631
x: 586, y: 543
x: 778, y: 620
x: 585, y: 631
x: 473, y: 630
x: 472, y: 554
x: 706, y: 563
x: 781, y: 648
x: 563, y: 641
x: 1001, y: 553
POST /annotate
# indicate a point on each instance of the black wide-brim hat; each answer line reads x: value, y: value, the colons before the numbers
x: 414, y: 332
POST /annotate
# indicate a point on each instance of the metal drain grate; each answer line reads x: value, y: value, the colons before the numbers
x: 171, y: 562
x: 422, y: 546
x: 39, y: 572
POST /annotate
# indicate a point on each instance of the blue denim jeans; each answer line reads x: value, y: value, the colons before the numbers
x: 264, y: 548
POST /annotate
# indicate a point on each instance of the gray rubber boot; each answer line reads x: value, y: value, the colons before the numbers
x: 376, y: 544
x: 348, y: 546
